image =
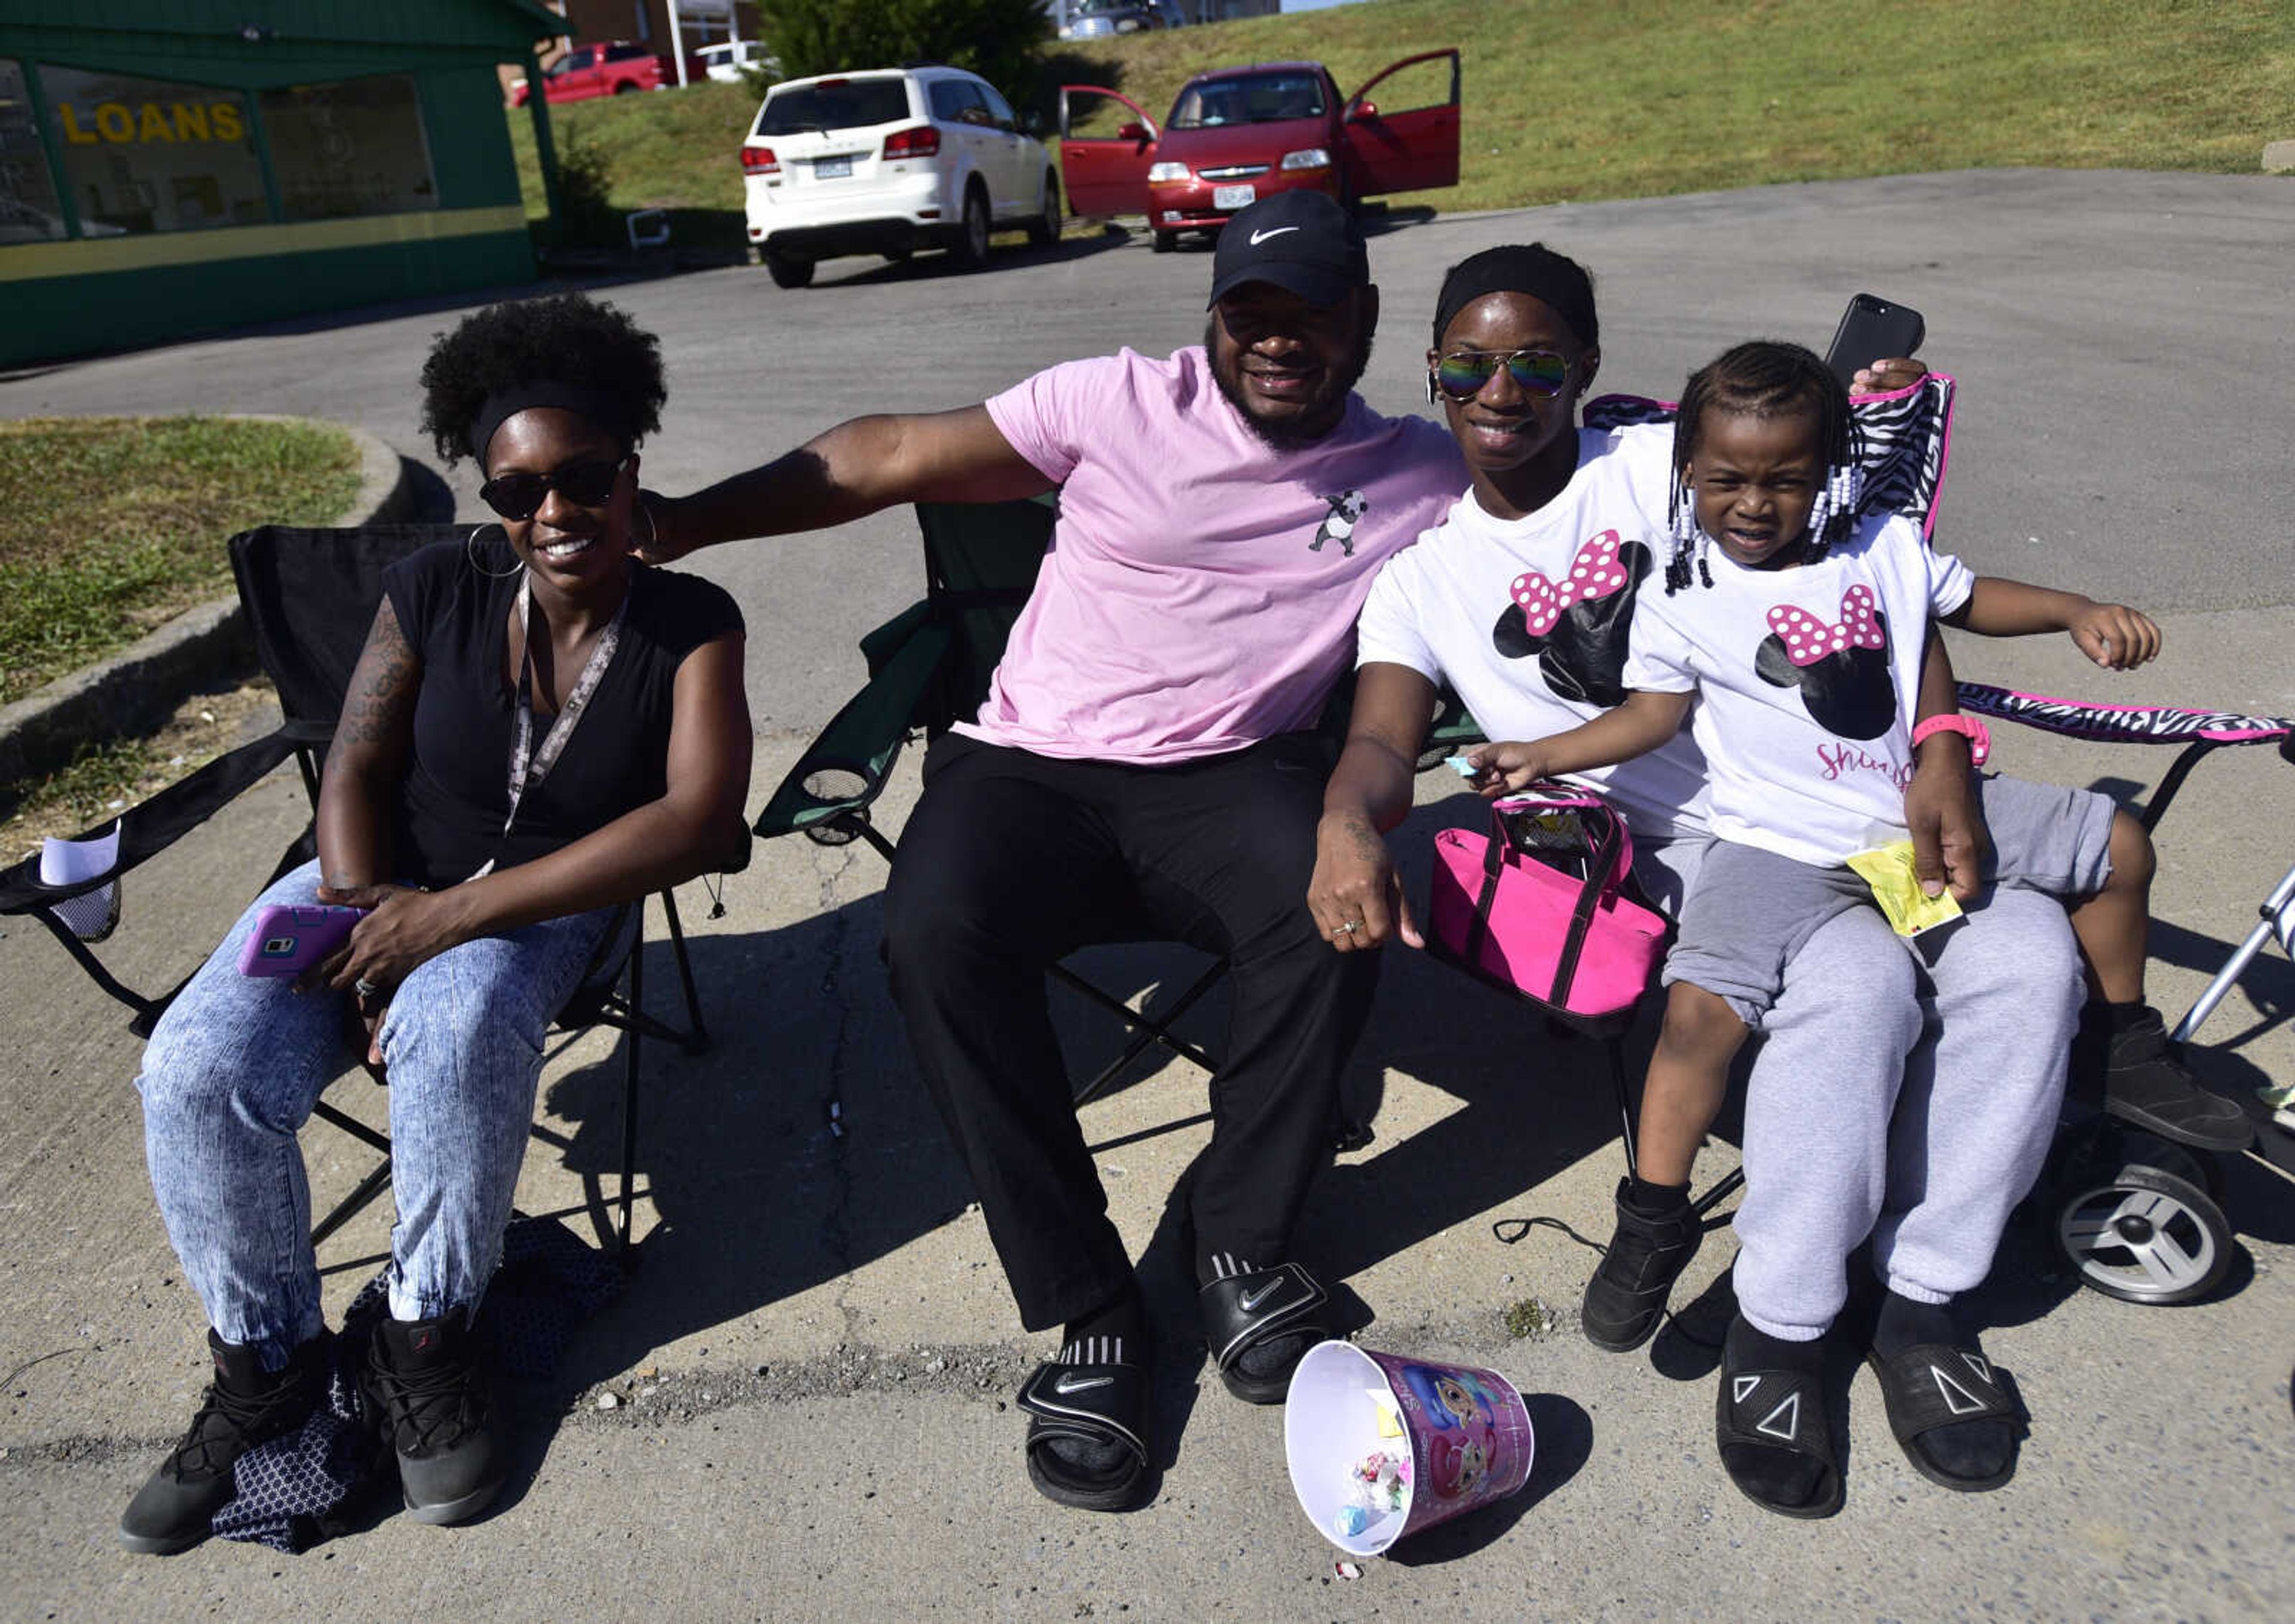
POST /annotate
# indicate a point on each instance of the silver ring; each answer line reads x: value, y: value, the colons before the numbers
x: 1351, y: 925
x: 365, y: 989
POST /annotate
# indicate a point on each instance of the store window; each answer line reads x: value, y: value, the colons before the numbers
x: 28, y: 210
x: 151, y: 155
x: 355, y: 148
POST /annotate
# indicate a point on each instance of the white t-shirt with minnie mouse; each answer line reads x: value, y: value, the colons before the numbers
x: 1528, y: 619
x: 1806, y: 681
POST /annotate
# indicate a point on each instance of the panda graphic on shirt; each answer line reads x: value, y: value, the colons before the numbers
x: 1577, y: 626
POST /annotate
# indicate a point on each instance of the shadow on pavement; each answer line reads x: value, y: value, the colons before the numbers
x: 763, y: 1194
x: 1564, y: 1434
x: 931, y: 264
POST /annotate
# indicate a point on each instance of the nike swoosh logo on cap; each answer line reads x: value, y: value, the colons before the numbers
x: 1259, y: 237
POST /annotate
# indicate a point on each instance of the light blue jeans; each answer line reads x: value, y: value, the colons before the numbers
x: 238, y: 1061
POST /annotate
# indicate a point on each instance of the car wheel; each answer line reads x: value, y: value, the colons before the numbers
x: 627, y: 88
x: 785, y: 271
x: 1163, y: 242
x: 970, y: 252
x: 1045, y: 228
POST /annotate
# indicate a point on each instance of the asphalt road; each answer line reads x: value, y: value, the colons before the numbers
x: 812, y: 1367
x: 2121, y: 338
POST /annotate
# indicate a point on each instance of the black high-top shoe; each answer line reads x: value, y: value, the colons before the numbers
x: 437, y: 1407
x: 245, y: 1405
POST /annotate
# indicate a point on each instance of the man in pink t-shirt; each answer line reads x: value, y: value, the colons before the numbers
x: 1143, y: 766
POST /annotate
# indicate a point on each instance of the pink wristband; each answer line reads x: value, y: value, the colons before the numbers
x: 1972, y: 727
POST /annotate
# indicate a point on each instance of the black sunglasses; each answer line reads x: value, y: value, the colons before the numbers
x: 587, y: 482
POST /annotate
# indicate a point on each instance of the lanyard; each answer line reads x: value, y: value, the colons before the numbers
x: 530, y: 764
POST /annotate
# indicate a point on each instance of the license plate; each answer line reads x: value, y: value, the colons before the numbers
x: 1234, y: 197
x: 831, y: 169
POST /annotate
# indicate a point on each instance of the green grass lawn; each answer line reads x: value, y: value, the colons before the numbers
x: 1569, y: 102
x: 108, y: 526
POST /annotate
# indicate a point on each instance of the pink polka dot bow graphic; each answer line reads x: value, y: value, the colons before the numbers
x: 1594, y: 573
x: 1808, y: 639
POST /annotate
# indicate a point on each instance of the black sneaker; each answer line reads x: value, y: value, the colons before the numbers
x: 2147, y: 1082
x: 245, y: 1405
x: 425, y: 1377
x: 1626, y: 1297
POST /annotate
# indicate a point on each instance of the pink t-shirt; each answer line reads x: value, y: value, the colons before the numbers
x: 1201, y: 589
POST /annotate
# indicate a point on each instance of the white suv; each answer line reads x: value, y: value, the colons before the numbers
x: 889, y: 161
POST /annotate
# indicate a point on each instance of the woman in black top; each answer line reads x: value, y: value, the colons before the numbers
x: 540, y: 728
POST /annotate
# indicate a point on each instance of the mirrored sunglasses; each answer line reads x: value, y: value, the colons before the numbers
x: 587, y: 484
x: 1462, y: 373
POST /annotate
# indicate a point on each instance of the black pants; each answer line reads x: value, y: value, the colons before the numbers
x: 1013, y: 861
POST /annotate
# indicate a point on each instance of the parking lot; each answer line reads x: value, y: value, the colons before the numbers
x: 813, y: 1368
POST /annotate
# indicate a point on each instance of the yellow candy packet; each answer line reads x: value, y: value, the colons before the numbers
x: 1889, y: 871
x: 1390, y: 1418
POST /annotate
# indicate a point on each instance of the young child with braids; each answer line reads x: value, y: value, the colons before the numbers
x: 1803, y: 643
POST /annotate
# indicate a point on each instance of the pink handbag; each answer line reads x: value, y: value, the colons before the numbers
x: 1539, y: 906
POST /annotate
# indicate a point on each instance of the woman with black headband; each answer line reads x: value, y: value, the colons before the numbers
x: 539, y: 728
x: 1520, y: 600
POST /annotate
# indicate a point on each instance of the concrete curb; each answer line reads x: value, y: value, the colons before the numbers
x: 141, y: 686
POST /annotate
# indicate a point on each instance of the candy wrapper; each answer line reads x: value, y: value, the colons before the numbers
x: 1897, y: 891
x: 1382, y: 1481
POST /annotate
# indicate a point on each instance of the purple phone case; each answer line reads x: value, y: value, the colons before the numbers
x: 287, y: 940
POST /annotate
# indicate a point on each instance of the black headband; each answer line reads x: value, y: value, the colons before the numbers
x: 608, y: 412
x: 1537, y: 270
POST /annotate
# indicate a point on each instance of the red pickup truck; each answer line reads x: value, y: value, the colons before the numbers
x: 617, y: 67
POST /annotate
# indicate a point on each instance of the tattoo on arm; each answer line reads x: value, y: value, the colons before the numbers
x: 381, y: 696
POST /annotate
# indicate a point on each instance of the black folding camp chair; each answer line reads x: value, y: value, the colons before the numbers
x: 928, y: 668
x: 309, y: 596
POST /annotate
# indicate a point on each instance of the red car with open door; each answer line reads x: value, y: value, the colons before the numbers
x: 1237, y: 134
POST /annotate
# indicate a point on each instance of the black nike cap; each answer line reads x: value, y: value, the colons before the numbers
x: 1301, y: 242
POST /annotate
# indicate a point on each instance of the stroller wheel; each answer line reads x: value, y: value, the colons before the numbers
x: 2145, y: 1234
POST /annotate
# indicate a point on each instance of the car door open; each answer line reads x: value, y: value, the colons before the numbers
x: 1405, y: 148
x: 1105, y: 154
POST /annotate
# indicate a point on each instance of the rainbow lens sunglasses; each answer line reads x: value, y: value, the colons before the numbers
x: 1462, y: 373
x: 587, y: 482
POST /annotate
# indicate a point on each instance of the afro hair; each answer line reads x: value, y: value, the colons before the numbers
x: 567, y: 337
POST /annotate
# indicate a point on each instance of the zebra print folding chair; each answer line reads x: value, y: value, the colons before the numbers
x: 2137, y: 1217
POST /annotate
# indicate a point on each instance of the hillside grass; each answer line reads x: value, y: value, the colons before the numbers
x: 1570, y: 101
x: 108, y: 526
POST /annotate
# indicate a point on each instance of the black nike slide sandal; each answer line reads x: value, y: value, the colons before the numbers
x: 1247, y: 1311
x: 1093, y: 1404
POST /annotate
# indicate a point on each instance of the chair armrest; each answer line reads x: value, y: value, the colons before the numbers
x: 846, y: 767
x: 880, y: 646
x: 2135, y: 724
x: 151, y: 827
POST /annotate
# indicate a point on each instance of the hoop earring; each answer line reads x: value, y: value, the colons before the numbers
x: 470, y: 552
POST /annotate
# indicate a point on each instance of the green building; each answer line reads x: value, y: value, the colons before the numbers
x: 169, y: 167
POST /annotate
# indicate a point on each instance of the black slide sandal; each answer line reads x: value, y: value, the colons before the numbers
x: 1100, y: 1404
x: 1245, y: 1312
x: 1933, y: 1385
x: 1782, y: 1410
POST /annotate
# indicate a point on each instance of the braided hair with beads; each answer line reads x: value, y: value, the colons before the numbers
x: 1765, y: 379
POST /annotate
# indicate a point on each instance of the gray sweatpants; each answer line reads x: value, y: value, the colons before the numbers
x: 1752, y: 909
x: 1913, y: 1104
